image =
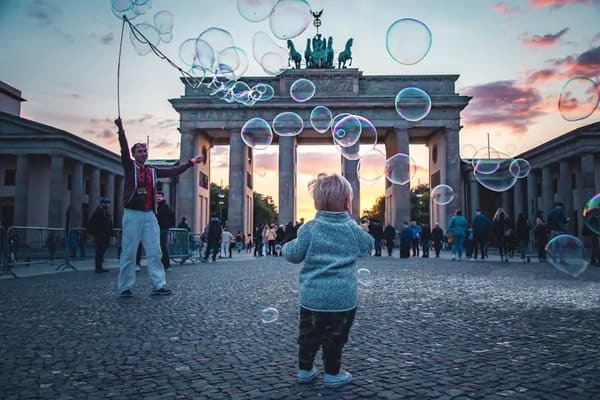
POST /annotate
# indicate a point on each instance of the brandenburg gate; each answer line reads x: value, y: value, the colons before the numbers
x: 206, y: 121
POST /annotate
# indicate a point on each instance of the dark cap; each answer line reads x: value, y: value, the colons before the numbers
x: 104, y: 200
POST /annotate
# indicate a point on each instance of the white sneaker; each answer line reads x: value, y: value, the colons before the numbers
x: 342, y: 378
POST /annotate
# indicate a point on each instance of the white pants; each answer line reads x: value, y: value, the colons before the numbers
x: 140, y: 226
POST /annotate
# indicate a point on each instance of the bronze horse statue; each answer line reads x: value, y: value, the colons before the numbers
x: 294, y: 55
x: 308, y: 54
x: 345, y: 55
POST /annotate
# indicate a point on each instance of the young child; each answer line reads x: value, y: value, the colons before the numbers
x: 329, y: 246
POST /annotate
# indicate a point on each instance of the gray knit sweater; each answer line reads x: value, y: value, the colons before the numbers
x: 329, y: 246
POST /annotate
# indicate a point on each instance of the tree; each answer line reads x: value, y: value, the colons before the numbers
x: 419, y: 203
x: 377, y: 210
x: 265, y: 210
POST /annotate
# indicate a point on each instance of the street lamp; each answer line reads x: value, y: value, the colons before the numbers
x: 221, y: 196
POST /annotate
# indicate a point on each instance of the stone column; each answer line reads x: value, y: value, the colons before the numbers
x: 588, y: 189
x: 188, y: 181
x: 565, y: 191
x: 532, y: 207
x: 349, y: 172
x: 238, y: 161
x: 519, y: 207
x: 474, y: 192
x: 77, y: 193
x: 110, y: 191
x: 287, y: 179
x: 547, y: 190
x: 21, y: 191
x: 94, y: 189
x: 56, y: 211
x: 397, y: 142
x: 452, y: 175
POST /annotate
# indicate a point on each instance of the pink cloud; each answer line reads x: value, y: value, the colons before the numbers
x: 586, y: 64
x: 507, y: 8
x: 502, y: 103
x: 546, y: 40
x: 559, y: 3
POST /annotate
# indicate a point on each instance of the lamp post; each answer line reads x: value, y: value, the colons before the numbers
x: 221, y: 196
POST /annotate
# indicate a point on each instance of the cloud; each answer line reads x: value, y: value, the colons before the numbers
x: 559, y: 3
x: 163, y: 144
x: 107, y: 39
x: 586, y: 64
x: 546, y: 40
x: 507, y: 8
x: 503, y: 103
x: 43, y: 12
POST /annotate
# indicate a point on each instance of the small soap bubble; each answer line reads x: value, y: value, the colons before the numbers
x: 566, y: 253
x: 519, y: 168
x: 257, y: 134
x: 442, y: 194
x: 413, y: 104
x: 364, y: 277
x: 320, y: 119
x: 269, y: 315
x: 302, y: 90
x: 579, y: 98
x: 288, y: 124
x: 408, y: 41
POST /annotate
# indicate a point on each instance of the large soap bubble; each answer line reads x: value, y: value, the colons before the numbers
x: 500, y: 180
x: 257, y: 134
x: 413, y: 104
x: 255, y: 10
x: 400, y: 169
x: 347, y: 131
x: 566, y: 253
x: 442, y: 194
x: 143, y: 37
x: 579, y: 98
x: 302, y: 90
x: 289, y: 18
x: 408, y: 41
x: 320, y: 119
x: 288, y: 124
x: 591, y: 214
x: 371, y: 166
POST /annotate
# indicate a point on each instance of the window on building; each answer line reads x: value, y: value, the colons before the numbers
x: 203, y: 180
x: 10, y: 177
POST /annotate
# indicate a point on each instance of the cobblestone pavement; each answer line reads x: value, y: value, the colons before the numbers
x: 425, y: 328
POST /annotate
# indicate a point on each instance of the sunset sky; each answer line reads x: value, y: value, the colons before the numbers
x: 513, y: 57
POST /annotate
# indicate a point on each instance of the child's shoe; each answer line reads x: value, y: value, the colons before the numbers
x: 305, y: 376
x: 342, y: 378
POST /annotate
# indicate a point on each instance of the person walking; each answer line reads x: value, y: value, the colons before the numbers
x: 213, y: 237
x: 226, y: 241
x: 100, y: 226
x: 522, y: 232
x: 425, y: 240
x: 258, y: 242
x: 416, y: 237
x: 139, y: 218
x: 437, y: 235
x: 502, y: 230
x: 389, y: 234
x: 166, y: 221
x: 557, y: 220
x: 457, y: 228
x: 405, y: 240
x: 481, y: 232
x: 376, y: 231
x: 541, y: 235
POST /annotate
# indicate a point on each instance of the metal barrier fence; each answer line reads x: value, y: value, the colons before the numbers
x: 22, y: 246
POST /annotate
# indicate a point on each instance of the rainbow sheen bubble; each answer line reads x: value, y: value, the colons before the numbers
x: 371, y: 166
x: 498, y: 181
x: 519, y: 168
x: 408, y: 41
x: 269, y: 315
x: 218, y: 39
x: 337, y: 119
x: 288, y: 124
x: 591, y: 214
x: 164, y: 21
x: 140, y: 2
x: 364, y: 277
x: 257, y: 134
x: 121, y: 5
x: 270, y: 56
x: 487, y: 160
x: 255, y: 10
x: 400, y: 169
x: 187, y: 52
x: 289, y: 18
x: 320, y: 119
x: 442, y: 194
x: 566, y: 253
x: 347, y: 131
x: 367, y: 141
x: 143, y: 37
x: 235, y: 59
x: 467, y: 152
x: 166, y: 37
x: 302, y: 90
x: 579, y: 98
x: 141, y: 9
x: 203, y: 55
x: 413, y: 104
x: 265, y: 92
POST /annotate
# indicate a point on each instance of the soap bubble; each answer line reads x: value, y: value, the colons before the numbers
x: 408, y: 41
x: 302, y: 90
x: 288, y: 124
x: 413, y: 104
x: 579, y: 98
x: 364, y: 277
x: 519, y: 168
x: 566, y: 253
x: 269, y: 315
x: 257, y: 134
x: 442, y: 194
x: 289, y: 18
x: 591, y: 214
x: 400, y: 169
x: 320, y: 119
x: 255, y: 10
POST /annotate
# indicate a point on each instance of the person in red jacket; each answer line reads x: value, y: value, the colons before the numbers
x: 139, y: 214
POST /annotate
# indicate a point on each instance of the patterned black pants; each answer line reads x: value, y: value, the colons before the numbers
x: 327, y: 329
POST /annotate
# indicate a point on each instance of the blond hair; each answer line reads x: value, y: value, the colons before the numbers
x: 330, y: 192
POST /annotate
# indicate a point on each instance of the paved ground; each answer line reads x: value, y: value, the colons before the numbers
x: 425, y: 328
